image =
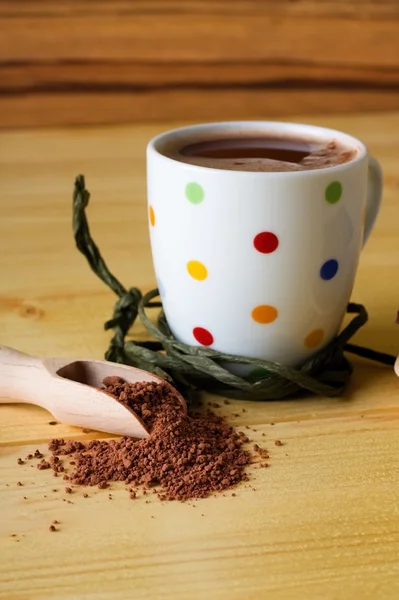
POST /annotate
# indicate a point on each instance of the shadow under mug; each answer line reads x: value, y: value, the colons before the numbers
x: 258, y: 264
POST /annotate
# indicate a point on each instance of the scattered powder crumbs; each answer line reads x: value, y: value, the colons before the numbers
x: 57, y: 464
x: 263, y: 453
x: 20, y: 461
x: 53, y: 423
x: 225, y: 401
x: 43, y: 464
x: 184, y: 457
x: 278, y: 443
x: 53, y: 528
x: 19, y: 483
x: 55, y: 522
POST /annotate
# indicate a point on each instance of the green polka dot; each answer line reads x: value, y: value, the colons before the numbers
x: 194, y: 193
x: 333, y: 192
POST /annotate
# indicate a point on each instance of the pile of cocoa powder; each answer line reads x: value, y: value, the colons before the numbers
x: 185, y: 457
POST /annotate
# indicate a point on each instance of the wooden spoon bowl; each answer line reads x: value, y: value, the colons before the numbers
x: 67, y: 388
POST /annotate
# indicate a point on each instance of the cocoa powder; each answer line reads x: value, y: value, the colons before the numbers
x: 144, y: 398
x: 184, y: 457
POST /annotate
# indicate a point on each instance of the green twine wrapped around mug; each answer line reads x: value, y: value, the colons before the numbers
x: 197, y: 368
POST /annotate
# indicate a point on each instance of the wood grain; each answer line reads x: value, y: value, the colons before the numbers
x: 322, y: 523
x: 95, y: 61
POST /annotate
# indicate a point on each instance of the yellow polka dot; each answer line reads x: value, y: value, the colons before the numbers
x: 264, y: 314
x: 197, y: 270
x: 314, y: 338
x: 151, y: 215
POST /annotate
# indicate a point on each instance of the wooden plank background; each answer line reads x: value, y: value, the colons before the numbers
x: 104, y: 61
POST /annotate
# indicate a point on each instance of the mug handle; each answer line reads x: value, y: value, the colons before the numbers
x: 374, y: 195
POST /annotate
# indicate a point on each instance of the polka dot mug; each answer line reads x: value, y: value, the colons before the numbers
x: 258, y: 264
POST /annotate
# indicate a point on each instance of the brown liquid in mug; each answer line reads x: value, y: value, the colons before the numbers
x: 292, y: 151
x: 264, y: 154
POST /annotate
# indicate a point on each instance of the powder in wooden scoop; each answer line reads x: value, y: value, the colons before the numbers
x: 184, y: 457
x: 146, y: 399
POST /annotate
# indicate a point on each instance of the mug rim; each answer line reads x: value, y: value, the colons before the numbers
x: 279, y: 126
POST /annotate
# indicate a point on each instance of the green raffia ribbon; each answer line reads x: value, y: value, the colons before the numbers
x: 192, y: 368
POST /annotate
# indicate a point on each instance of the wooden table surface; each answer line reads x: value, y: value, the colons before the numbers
x: 78, y: 62
x: 323, y: 521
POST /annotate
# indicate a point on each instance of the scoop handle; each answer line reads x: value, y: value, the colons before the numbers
x: 23, y: 378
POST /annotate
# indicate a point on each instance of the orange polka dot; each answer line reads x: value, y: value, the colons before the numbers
x: 151, y: 215
x: 197, y: 270
x: 264, y: 314
x: 314, y: 338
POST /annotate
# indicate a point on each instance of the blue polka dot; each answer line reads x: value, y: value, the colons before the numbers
x: 329, y: 269
x: 161, y: 288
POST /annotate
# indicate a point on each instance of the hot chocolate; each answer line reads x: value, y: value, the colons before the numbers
x: 262, y: 153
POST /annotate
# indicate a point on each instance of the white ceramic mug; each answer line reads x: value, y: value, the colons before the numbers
x: 258, y: 264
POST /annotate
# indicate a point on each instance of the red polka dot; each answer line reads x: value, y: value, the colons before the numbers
x: 266, y: 242
x: 203, y: 336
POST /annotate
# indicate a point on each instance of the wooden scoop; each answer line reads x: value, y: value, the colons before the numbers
x: 396, y: 366
x: 67, y: 389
